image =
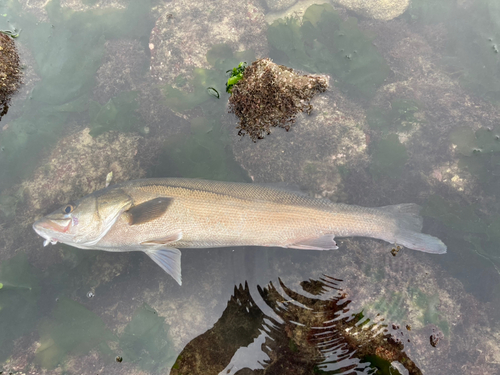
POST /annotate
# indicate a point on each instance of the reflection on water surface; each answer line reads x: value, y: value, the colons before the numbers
x: 411, y: 116
x: 314, y: 334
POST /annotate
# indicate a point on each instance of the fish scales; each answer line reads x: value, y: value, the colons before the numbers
x: 231, y: 214
x: 159, y: 216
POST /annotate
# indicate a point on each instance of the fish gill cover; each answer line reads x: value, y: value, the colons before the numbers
x: 324, y: 43
x: 317, y: 334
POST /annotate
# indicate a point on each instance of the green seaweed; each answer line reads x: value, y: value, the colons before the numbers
x: 11, y: 33
x: 389, y: 157
x: 68, y: 51
x: 19, y: 296
x: 221, y: 58
x: 324, y: 43
x: 236, y: 76
x: 72, y: 329
x: 145, y: 341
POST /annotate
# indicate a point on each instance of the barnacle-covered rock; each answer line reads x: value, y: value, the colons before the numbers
x: 271, y: 95
x: 78, y: 166
x: 10, y: 74
x: 378, y: 9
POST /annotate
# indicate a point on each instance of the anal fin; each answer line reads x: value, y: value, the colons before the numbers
x: 325, y: 242
x: 169, y: 259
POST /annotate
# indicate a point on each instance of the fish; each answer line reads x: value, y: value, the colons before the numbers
x: 159, y: 216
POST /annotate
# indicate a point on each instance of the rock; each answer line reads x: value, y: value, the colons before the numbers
x: 276, y: 5
x: 296, y: 11
x: 186, y: 30
x: 270, y: 95
x: 121, y: 69
x: 310, y: 154
x: 10, y: 73
x: 384, y: 10
x: 78, y: 165
x: 430, y: 106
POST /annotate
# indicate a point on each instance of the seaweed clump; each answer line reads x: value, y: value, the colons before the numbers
x: 10, y: 73
x: 271, y: 95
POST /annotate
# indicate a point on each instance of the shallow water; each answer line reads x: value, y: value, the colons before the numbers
x: 411, y: 116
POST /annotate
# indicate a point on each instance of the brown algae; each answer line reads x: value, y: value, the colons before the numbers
x: 10, y: 73
x: 271, y: 95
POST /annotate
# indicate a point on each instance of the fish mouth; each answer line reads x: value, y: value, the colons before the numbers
x: 45, y: 227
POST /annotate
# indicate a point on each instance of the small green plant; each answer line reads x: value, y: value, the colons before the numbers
x: 236, y: 76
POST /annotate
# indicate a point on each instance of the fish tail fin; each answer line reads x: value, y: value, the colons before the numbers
x: 409, y: 224
x: 420, y: 241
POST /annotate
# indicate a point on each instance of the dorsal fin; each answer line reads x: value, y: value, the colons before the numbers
x: 149, y: 210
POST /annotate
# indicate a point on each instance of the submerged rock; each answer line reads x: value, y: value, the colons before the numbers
x: 384, y: 10
x: 310, y: 333
x: 10, y: 73
x: 78, y: 165
x: 271, y: 95
x: 186, y: 31
x: 275, y: 5
x: 312, y: 152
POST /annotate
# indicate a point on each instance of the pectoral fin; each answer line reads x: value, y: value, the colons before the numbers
x: 169, y: 259
x: 168, y: 239
x: 147, y: 211
x: 325, y: 242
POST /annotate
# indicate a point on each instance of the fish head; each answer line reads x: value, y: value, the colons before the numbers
x: 86, y: 221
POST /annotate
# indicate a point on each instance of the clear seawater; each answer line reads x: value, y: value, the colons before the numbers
x: 425, y: 90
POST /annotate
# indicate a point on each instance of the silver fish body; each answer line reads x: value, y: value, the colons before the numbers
x: 159, y: 216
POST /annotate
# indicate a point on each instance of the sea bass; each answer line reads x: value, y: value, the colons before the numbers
x: 159, y: 216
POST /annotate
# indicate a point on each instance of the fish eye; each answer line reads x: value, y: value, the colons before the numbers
x: 68, y: 209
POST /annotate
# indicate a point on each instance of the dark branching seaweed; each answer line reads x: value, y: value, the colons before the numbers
x: 270, y: 95
x: 10, y: 73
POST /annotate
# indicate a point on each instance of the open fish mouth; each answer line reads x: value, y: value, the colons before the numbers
x: 45, y: 227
